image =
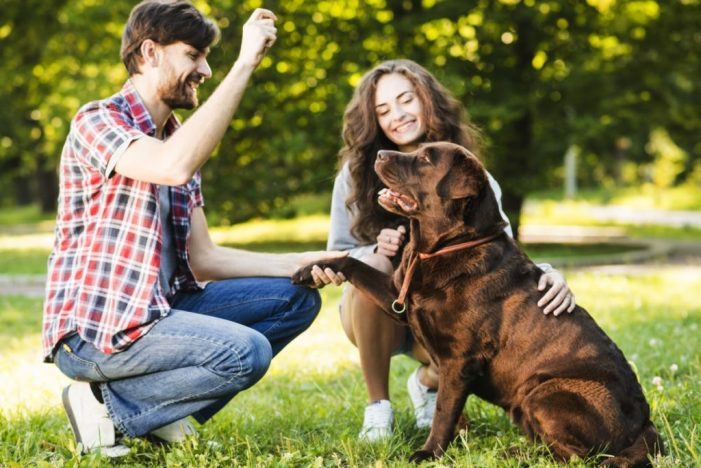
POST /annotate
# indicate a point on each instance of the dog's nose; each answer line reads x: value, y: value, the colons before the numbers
x: 384, y: 155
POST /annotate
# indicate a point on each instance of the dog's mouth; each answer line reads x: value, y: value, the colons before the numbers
x: 391, y: 200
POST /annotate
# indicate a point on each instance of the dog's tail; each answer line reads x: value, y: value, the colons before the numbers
x: 647, y: 443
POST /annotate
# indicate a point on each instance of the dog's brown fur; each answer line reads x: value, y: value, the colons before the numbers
x: 562, y: 380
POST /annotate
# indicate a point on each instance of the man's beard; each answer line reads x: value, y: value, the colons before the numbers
x: 179, y: 95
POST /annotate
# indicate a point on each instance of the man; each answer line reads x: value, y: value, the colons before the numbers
x: 125, y: 314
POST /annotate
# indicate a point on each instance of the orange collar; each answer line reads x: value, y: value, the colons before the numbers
x: 399, y: 306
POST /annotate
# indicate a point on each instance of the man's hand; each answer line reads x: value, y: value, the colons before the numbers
x: 259, y: 34
x: 324, y: 276
x: 390, y: 240
x: 558, y: 298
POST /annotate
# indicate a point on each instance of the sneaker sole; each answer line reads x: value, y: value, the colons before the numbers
x: 71, y: 418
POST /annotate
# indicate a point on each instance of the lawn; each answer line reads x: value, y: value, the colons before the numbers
x: 308, y: 409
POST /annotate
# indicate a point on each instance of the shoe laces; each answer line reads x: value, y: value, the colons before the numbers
x: 378, y: 415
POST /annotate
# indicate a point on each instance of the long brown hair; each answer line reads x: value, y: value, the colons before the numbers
x: 445, y: 119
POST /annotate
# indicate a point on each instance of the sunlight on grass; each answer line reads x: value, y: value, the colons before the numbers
x: 645, y: 196
x: 308, y: 409
x: 302, y: 229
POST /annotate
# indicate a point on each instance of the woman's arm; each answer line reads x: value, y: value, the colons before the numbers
x: 558, y: 298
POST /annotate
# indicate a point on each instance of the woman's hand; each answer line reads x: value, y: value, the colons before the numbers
x: 558, y: 298
x: 390, y: 240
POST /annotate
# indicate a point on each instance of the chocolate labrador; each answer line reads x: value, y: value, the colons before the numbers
x: 469, y: 294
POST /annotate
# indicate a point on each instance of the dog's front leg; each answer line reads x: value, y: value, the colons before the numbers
x: 378, y: 286
x: 450, y: 401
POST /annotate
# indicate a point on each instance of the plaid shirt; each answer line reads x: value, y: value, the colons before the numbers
x: 103, y: 271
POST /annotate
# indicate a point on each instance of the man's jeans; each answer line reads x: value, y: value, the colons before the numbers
x: 212, y: 345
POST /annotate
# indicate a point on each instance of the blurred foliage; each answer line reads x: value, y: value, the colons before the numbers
x: 536, y: 76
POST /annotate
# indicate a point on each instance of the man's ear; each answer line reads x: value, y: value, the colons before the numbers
x: 150, y: 52
x: 465, y: 178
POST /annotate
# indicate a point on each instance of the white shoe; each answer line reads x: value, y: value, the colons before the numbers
x: 175, y: 432
x: 377, y: 424
x: 423, y: 399
x: 90, y: 421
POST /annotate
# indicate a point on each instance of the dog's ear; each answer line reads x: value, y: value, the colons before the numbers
x: 465, y: 178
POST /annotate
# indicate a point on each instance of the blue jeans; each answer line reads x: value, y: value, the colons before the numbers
x: 214, y: 344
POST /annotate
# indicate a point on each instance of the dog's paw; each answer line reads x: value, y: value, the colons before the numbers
x: 420, y: 456
x: 303, y: 276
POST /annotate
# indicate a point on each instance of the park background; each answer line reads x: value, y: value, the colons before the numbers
x: 612, y: 84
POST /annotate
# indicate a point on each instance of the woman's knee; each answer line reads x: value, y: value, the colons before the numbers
x: 378, y: 262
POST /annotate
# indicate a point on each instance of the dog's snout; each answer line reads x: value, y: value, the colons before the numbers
x: 385, y: 155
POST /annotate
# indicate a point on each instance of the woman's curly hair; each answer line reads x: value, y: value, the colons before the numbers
x: 445, y: 120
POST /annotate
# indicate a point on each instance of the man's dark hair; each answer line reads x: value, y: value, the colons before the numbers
x: 165, y: 22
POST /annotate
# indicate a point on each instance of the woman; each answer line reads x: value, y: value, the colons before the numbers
x: 397, y: 105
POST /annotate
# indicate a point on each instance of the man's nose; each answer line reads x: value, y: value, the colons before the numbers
x: 204, y: 69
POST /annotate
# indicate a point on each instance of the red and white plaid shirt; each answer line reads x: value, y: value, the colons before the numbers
x: 103, y: 271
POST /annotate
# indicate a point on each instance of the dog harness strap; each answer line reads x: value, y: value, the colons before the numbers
x: 399, y: 305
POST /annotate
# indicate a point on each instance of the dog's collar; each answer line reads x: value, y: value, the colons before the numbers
x: 399, y: 304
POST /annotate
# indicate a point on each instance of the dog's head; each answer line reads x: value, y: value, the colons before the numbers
x: 422, y: 183
x: 443, y: 187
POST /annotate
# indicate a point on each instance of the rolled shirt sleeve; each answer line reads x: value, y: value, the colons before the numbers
x: 103, y: 135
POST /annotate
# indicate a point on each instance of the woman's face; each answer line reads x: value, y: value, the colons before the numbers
x: 399, y: 111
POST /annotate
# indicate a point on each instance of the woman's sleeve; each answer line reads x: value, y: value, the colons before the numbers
x: 340, y: 236
x: 545, y: 267
x: 497, y: 194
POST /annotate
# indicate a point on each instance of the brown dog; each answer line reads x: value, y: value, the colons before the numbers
x: 470, y: 296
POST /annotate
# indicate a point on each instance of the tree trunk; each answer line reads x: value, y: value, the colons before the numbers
x: 512, y: 204
x: 47, y: 186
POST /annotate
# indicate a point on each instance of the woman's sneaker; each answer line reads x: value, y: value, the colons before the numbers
x: 377, y: 424
x: 423, y: 399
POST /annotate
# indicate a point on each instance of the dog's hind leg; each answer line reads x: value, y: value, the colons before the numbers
x: 562, y: 414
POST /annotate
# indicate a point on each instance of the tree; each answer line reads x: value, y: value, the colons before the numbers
x: 536, y: 76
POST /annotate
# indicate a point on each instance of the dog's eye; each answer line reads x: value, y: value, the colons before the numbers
x: 424, y: 157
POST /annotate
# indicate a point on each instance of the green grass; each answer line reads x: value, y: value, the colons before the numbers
x: 24, y: 254
x: 23, y: 262
x: 24, y: 215
x: 645, y: 196
x: 571, y: 251
x: 308, y: 409
x: 33, y: 261
x: 549, y: 212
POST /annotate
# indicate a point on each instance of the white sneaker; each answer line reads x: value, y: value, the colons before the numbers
x: 90, y: 421
x: 423, y: 399
x: 377, y: 424
x: 175, y: 432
